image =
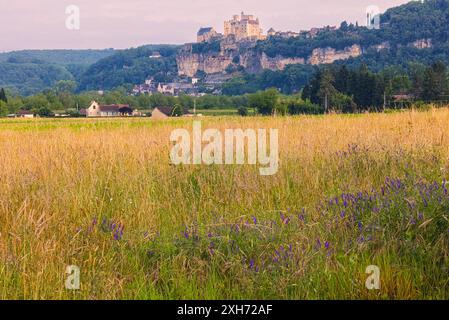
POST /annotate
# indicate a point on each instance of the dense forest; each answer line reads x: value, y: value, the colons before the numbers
x: 132, y: 66
x: 31, y: 71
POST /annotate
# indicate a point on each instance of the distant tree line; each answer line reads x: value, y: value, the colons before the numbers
x: 332, y: 88
x: 342, y: 89
x: 62, y: 98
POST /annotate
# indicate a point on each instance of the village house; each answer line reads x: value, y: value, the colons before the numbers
x: 113, y: 110
x: 155, y: 55
x: 282, y: 34
x: 149, y: 87
x: 206, y: 34
x: 167, y: 112
x: 25, y: 114
x: 167, y: 89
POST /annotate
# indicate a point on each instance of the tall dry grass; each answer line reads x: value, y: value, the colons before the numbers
x: 59, y: 179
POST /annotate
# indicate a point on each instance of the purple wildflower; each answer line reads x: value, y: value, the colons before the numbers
x: 212, y: 248
x: 251, y: 264
x: 360, y: 226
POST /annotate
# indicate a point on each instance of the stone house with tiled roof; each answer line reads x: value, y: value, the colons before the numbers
x: 206, y: 34
x: 113, y: 110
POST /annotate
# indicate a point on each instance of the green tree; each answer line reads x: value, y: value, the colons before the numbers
x: 343, y: 103
x: 177, y: 110
x: 327, y: 89
x: 65, y: 86
x: 3, y: 109
x: 3, y: 95
x: 45, y: 112
x: 265, y: 101
x: 243, y: 111
x: 435, y: 84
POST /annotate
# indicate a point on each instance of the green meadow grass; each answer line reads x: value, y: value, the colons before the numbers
x: 101, y: 194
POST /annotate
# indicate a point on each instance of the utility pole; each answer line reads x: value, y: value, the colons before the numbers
x: 326, y: 103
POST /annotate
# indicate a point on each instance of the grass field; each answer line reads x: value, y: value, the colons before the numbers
x: 351, y: 191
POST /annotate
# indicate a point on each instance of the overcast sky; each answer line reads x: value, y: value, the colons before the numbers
x: 26, y: 24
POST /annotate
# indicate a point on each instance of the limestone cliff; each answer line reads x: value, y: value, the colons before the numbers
x: 278, y: 62
x: 329, y: 55
x: 189, y: 63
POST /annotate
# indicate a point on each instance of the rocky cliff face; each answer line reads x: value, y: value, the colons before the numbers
x: 190, y: 63
x: 329, y: 55
x: 278, y: 62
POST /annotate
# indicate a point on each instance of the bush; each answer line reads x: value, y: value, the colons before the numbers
x: 340, y: 102
x: 299, y: 106
x: 45, y: 112
x: 243, y: 111
x: 264, y: 101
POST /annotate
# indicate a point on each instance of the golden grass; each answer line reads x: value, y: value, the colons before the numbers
x: 57, y: 175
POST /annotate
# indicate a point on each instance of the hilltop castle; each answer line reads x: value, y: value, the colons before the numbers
x: 240, y: 27
x: 243, y: 27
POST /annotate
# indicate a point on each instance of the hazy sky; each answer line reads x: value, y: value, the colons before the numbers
x: 26, y: 24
